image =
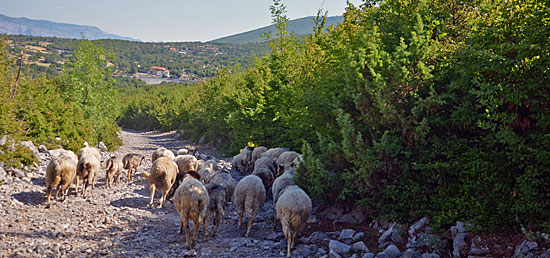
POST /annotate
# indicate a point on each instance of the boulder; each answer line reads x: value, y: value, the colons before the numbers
x: 360, y: 246
x: 418, y: 225
x: 338, y: 247
x: 102, y: 146
x: 458, y: 242
x: 346, y: 234
x: 390, y: 252
x: 42, y: 149
x: 30, y: 146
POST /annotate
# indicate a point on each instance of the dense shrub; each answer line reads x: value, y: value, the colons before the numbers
x: 408, y: 108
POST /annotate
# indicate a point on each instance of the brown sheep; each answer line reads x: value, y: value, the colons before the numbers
x: 131, y: 162
x: 113, y: 168
x: 60, y: 173
x: 266, y: 175
x: 91, y: 151
x: 212, y: 164
x: 216, y: 194
x: 249, y: 197
x: 162, y: 176
x: 191, y: 201
x: 87, y: 170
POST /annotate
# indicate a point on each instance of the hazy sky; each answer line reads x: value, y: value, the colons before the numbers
x: 167, y: 20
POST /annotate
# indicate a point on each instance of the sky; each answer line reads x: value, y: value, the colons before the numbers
x: 167, y: 20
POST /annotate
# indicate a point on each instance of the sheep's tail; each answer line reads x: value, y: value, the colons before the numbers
x: 146, y: 174
x: 109, y: 165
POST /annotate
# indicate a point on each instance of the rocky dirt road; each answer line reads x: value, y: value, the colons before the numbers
x: 116, y: 222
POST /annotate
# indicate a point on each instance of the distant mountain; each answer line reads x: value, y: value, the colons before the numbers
x: 24, y: 26
x: 301, y: 26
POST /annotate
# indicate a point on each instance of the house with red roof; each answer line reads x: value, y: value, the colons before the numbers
x: 160, y: 71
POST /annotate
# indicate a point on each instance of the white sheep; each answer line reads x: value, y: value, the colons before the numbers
x: 273, y: 153
x: 249, y: 196
x: 183, y: 151
x: 285, y: 159
x: 257, y: 152
x: 162, y: 176
x: 60, y: 173
x: 191, y: 201
x: 281, y: 183
x: 212, y: 164
x: 293, y: 209
x: 266, y: 162
x: 162, y: 152
x: 91, y: 151
x: 225, y: 180
x: 187, y: 163
x: 206, y: 174
x: 241, y: 162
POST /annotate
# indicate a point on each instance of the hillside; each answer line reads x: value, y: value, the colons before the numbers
x: 25, y: 26
x: 300, y: 26
x: 186, y: 61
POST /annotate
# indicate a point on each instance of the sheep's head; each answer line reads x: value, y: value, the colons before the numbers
x: 194, y: 174
x: 177, y: 183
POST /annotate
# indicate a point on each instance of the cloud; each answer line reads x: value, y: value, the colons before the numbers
x: 69, y: 16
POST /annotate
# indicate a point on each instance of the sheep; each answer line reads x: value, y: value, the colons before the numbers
x: 162, y: 176
x: 249, y: 196
x: 257, y: 152
x: 266, y: 175
x: 285, y: 159
x: 60, y: 173
x: 162, y: 152
x: 217, y: 195
x: 273, y: 153
x: 87, y: 170
x: 191, y: 201
x: 241, y: 162
x: 113, y: 168
x: 297, y: 162
x: 281, y: 183
x: 225, y: 180
x: 293, y: 209
x: 206, y: 174
x: 179, y: 181
x: 187, y: 163
x: 90, y: 150
x: 182, y: 151
x: 213, y: 165
x: 131, y: 162
x: 266, y: 162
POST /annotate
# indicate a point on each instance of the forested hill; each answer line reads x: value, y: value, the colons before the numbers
x: 25, y: 26
x: 300, y: 27
x: 190, y: 61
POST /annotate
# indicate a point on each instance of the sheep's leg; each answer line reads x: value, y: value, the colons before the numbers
x: 118, y: 178
x: 92, y: 178
x: 240, y: 214
x: 196, y: 225
x: 130, y: 174
x: 49, y: 190
x: 205, y: 225
x: 57, y: 192
x: 293, y: 236
x: 181, y: 226
x: 289, y: 245
x: 76, y: 182
x: 250, y: 222
x: 84, y: 186
x: 107, y: 179
x: 187, y: 240
x: 274, y: 221
x: 216, y: 223
x: 152, y: 189
x: 163, y: 198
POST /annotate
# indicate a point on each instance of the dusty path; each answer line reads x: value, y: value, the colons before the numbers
x: 117, y: 223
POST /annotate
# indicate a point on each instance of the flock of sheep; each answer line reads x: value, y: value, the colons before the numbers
x: 200, y: 187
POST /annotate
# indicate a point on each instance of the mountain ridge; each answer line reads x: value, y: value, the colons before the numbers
x: 300, y: 26
x: 45, y: 28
